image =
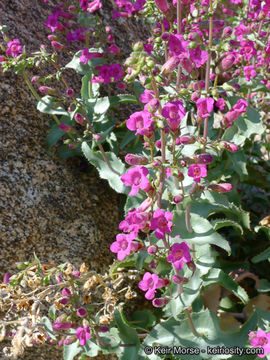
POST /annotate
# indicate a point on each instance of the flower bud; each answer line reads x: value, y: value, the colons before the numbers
x: 66, y: 128
x: 186, y: 63
x: 7, y: 277
x: 170, y: 65
x: 221, y: 188
x: 66, y: 292
x: 47, y: 90
x: 178, y: 198
x: 204, y: 158
x: 35, y: 79
x: 81, y: 312
x: 145, y: 205
x: 159, y: 302
x: 227, y: 31
x: 79, y: 119
x: 228, y: 146
x: 227, y: 62
x: 177, y: 279
x: 187, y: 139
x: 152, y: 249
x: 133, y: 159
x: 162, y: 5
x: 70, y: 92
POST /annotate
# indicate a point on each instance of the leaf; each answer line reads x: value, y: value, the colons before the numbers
x: 244, y: 127
x: 262, y: 256
x: 203, y: 231
x: 48, y: 105
x: 239, y: 161
x: 221, y: 223
x: 144, y: 319
x: 48, y: 326
x: 102, y: 105
x: 123, y: 99
x: 70, y: 351
x: 177, y: 333
x: 90, y: 349
x: 96, y: 159
x: 190, y: 292
x: 65, y: 152
x: 78, y: 66
x: 54, y: 135
x: 218, y: 276
x: 128, y: 336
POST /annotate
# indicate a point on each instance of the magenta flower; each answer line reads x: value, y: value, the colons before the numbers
x: 204, y: 106
x: 150, y: 283
x: 161, y: 222
x: 136, y: 178
x: 14, y: 48
x: 81, y: 312
x: 198, y: 56
x: 220, y: 103
x: 146, y: 96
x: 141, y: 122
x: 186, y: 63
x: 86, y: 55
x: 94, y: 6
x: 197, y: 171
x: 123, y: 245
x: 59, y: 325
x: 177, y: 45
x: 179, y: 255
x: 83, y: 334
x: 134, y: 221
x: 260, y: 339
x: 249, y: 72
x: 174, y: 112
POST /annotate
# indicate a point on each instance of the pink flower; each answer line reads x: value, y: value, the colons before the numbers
x: 141, y: 122
x: 59, y: 325
x: 197, y: 171
x: 136, y: 178
x: 150, y: 283
x: 123, y: 245
x: 86, y: 55
x: 174, y: 112
x: 161, y: 222
x: 179, y: 255
x: 221, y: 188
x: 220, y: 103
x: 14, y: 48
x: 134, y: 221
x: 81, y: 312
x: 94, y: 6
x: 177, y: 45
x: 198, y: 56
x: 83, y: 333
x: 108, y: 73
x: 260, y: 339
x: 237, y: 110
x: 249, y: 72
x: 66, y: 128
x: 146, y: 96
x: 204, y: 106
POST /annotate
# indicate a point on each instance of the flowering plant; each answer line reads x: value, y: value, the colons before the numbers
x: 203, y: 87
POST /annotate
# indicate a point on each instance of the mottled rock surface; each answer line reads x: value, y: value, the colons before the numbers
x: 47, y: 205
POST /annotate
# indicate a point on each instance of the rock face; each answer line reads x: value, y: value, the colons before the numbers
x: 47, y: 205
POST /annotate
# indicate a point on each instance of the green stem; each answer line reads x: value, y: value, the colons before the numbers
x: 187, y: 218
